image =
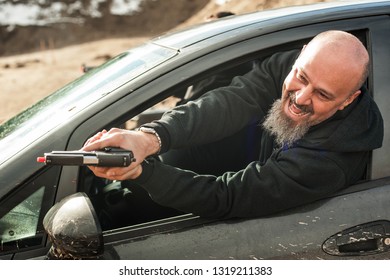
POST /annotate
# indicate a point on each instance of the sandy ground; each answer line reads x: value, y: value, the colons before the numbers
x: 27, y: 78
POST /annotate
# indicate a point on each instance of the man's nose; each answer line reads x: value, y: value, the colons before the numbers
x: 303, y: 96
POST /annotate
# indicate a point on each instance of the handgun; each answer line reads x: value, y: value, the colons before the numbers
x: 109, y: 157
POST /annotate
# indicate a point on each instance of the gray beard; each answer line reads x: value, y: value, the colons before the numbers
x: 285, y: 130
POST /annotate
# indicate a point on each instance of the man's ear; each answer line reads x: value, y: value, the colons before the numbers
x: 350, y: 99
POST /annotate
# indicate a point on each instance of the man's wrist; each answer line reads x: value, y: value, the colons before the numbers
x: 150, y: 130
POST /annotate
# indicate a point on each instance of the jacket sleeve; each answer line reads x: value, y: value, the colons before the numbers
x: 224, y: 111
x: 255, y: 191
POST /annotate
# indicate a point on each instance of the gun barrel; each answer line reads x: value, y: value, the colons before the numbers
x: 107, y: 158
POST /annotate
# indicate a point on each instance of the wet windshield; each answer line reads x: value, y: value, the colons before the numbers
x: 25, y: 128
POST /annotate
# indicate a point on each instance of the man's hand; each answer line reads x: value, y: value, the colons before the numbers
x: 141, y: 144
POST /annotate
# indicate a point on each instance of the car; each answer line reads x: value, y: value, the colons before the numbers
x: 54, y: 211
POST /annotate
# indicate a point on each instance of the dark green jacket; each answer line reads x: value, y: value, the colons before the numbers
x: 332, y: 156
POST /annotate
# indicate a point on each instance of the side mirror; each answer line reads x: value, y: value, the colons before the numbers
x: 74, y: 230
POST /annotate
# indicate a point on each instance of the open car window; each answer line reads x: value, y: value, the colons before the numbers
x: 112, y: 199
x: 120, y: 204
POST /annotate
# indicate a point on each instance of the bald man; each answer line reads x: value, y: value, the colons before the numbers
x: 298, y: 127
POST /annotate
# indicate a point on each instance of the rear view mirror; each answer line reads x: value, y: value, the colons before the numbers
x: 74, y: 230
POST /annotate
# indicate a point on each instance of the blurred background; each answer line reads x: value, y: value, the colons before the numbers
x: 46, y: 43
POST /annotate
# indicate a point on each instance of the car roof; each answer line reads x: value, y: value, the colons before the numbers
x: 267, y: 20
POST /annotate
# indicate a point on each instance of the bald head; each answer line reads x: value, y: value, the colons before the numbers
x: 346, y: 52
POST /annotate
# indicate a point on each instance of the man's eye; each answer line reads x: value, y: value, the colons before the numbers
x: 301, y: 78
x: 323, y: 95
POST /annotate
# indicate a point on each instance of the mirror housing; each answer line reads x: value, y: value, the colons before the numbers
x: 74, y: 229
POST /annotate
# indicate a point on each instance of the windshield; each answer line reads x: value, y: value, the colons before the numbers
x: 28, y: 126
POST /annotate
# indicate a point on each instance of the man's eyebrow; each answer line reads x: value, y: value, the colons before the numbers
x: 328, y: 94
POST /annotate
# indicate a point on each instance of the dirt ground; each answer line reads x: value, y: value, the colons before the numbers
x: 27, y: 78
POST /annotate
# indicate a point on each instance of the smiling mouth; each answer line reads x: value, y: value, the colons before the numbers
x: 297, y: 110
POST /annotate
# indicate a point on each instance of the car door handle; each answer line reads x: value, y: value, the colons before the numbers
x: 364, y: 239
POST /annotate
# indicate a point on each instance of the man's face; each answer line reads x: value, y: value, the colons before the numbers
x: 318, y: 85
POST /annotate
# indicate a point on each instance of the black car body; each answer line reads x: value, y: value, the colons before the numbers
x: 353, y: 224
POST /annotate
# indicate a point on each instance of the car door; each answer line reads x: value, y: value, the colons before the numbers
x: 316, y: 231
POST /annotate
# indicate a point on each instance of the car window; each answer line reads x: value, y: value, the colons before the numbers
x: 112, y: 199
x: 22, y: 221
x: 22, y: 213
